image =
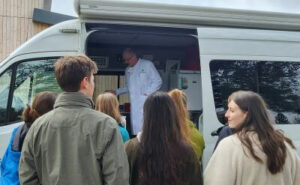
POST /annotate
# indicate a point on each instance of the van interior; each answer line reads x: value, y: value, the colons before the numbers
x: 174, y: 52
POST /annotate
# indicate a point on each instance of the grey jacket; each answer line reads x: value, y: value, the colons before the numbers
x: 74, y: 144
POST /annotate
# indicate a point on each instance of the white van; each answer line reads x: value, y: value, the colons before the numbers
x: 207, y: 52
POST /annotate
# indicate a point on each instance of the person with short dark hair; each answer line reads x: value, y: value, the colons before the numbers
x: 257, y: 153
x: 42, y: 104
x: 74, y: 144
x: 160, y: 155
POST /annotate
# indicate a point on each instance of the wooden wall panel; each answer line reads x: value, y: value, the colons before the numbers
x: 4, y: 7
x: 106, y: 82
x: 16, y: 25
x: 4, y: 35
x: 1, y: 7
x: 124, y: 98
x: 103, y: 83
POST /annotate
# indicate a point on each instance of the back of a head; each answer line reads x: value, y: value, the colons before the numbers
x: 179, y: 99
x: 70, y: 71
x: 160, y: 118
x: 257, y: 120
x: 108, y: 104
x: 42, y: 103
x: 163, y: 148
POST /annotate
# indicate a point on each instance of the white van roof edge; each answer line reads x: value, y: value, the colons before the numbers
x: 184, y: 14
x: 23, y: 49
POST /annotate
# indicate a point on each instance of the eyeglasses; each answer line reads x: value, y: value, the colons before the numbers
x: 128, y: 59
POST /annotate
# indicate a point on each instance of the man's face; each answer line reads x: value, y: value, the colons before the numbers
x: 129, y: 58
x: 91, y: 86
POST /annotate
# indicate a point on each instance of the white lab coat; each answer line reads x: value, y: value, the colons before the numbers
x: 141, y: 80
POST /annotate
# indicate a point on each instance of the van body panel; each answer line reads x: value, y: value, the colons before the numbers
x: 220, y: 44
x: 229, y: 41
x: 51, y: 40
x: 183, y: 14
x: 16, y: 58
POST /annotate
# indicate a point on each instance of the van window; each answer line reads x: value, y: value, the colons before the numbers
x: 32, y: 77
x: 277, y: 82
x: 5, y: 79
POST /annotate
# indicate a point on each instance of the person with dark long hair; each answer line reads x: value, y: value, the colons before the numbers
x: 160, y: 154
x: 42, y: 104
x: 257, y: 153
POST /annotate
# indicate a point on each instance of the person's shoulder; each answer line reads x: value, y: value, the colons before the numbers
x: 233, y: 138
x: 145, y: 62
x: 42, y: 121
x: 195, y: 134
x: 132, y: 145
x: 231, y: 142
x: 291, y: 151
x: 96, y: 115
x: 99, y: 117
x: 189, y: 152
x: 193, y: 128
x: 132, y: 142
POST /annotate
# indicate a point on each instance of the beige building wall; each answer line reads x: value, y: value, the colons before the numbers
x: 16, y: 25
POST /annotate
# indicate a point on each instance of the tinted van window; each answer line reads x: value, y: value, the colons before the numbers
x: 277, y: 82
x: 32, y: 77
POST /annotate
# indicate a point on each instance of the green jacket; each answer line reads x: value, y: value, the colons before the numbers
x: 197, y: 140
x: 74, y: 145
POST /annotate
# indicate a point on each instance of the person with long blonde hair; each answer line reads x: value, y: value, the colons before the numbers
x: 109, y: 104
x: 188, y: 128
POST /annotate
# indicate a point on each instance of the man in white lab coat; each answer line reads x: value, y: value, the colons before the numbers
x: 142, y: 79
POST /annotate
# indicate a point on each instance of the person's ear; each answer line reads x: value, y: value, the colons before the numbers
x: 245, y: 114
x: 84, y: 83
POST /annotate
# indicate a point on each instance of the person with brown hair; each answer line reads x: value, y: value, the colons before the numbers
x: 109, y: 104
x: 160, y: 155
x: 188, y: 128
x: 256, y: 153
x: 74, y: 144
x: 42, y: 104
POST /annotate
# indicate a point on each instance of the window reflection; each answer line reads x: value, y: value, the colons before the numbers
x: 277, y: 82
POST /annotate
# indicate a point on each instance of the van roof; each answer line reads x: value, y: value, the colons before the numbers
x: 148, y: 12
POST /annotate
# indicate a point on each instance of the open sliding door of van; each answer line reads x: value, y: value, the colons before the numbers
x: 263, y: 61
